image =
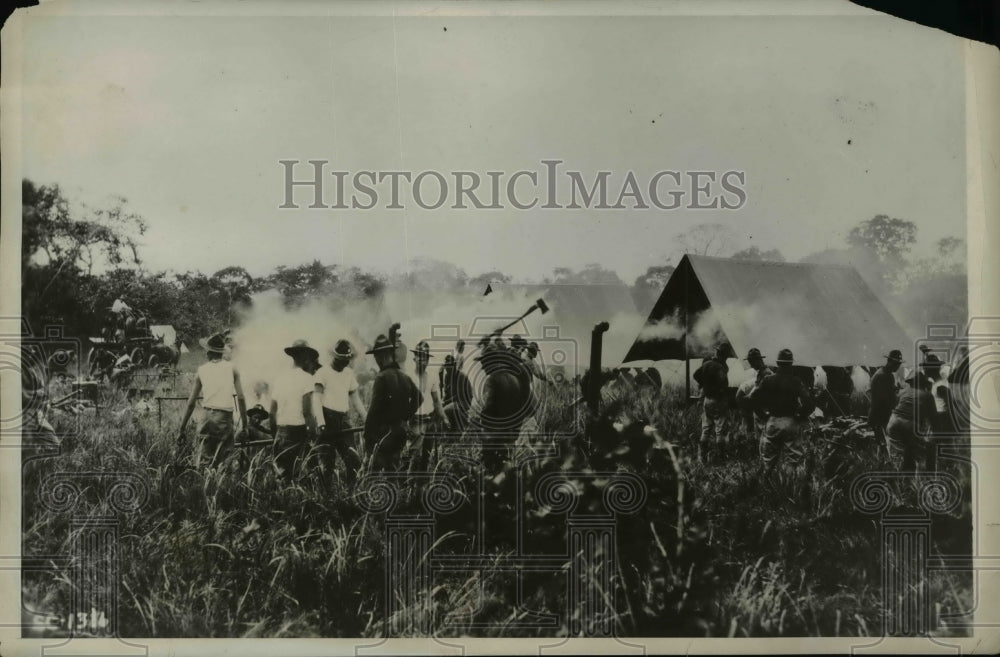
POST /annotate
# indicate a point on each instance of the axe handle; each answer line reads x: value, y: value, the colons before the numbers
x: 504, y: 328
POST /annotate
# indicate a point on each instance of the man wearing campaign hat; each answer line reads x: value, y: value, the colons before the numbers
x: 911, y: 422
x: 218, y: 384
x: 884, y: 394
x: 395, y: 399
x: 787, y: 402
x: 942, y: 423
x: 335, y: 394
x: 713, y: 377
x: 430, y: 417
x: 257, y: 430
x: 753, y: 421
x: 292, y: 417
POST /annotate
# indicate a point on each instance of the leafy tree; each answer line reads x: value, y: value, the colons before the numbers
x: 591, y: 274
x: 706, y: 239
x: 297, y: 284
x: 890, y: 239
x: 754, y: 253
x: 431, y: 274
x: 647, y: 287
x: 61, y: 248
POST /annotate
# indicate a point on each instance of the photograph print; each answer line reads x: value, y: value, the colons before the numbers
x: 489, y: 321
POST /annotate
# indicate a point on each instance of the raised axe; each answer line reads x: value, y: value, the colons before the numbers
x: 538, y: 305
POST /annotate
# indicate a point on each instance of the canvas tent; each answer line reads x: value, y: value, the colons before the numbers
x: 826, y: 314
x: 575, y: 309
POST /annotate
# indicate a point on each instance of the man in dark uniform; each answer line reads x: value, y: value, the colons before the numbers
x: 505, y: 404
x: 787, y: 402
x: 753, y: 421
x: 456, y: 393
x: 884, y: 394
x: 395, y: 399
x: 713, y: 377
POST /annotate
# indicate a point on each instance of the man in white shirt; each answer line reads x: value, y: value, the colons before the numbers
x: 430, y: 417
x: 218, y: 384
x: 292, y: 419
x: 335, y: 392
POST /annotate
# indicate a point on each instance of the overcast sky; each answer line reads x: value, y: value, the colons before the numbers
x: 833, y: 119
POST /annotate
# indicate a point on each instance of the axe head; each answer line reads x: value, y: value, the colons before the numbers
x: 541, y: 305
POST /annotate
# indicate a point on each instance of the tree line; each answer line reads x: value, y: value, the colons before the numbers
x: 75, y: 261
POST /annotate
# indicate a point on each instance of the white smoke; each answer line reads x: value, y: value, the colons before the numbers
x: 861, y: 379
x: 267, y: 327
x: 669, y: 327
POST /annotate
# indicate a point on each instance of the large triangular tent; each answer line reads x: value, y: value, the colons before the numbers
x: 826, y: 314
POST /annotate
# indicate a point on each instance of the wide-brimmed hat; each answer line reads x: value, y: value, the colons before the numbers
x: 343, y: 349
x: 214, y: 342
x: 301, y: 347
x: 754, y: 353
x: 258, y: 412
x: 896, y: 355
x: 422, y: 349
x: 381, y: 344
x: 785, y: 356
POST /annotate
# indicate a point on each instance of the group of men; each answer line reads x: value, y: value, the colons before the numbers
x: 908, y: 417
x: 775, y: 406
x: 310, y: 404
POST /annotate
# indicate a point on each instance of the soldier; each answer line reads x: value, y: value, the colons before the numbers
x: 941, y: 422
x: 456, y: 393
x: 787, y: 402
x: 430, y: 416
x: 218, y: 383
x: 459, y: 356
x: 753, y: 421
x: 257, y: 430
x: 884, y: 395
x: 533, y: 367
x: 505, y: 404
x: 713, y: 377
x: 292, y: 418
x: 395, y: 399
x: 910, y: 422
x: 335, y: 393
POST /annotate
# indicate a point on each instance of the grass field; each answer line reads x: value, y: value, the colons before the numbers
x: 716, y: 549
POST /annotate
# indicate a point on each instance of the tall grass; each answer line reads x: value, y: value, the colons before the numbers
x: 718, y: 549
